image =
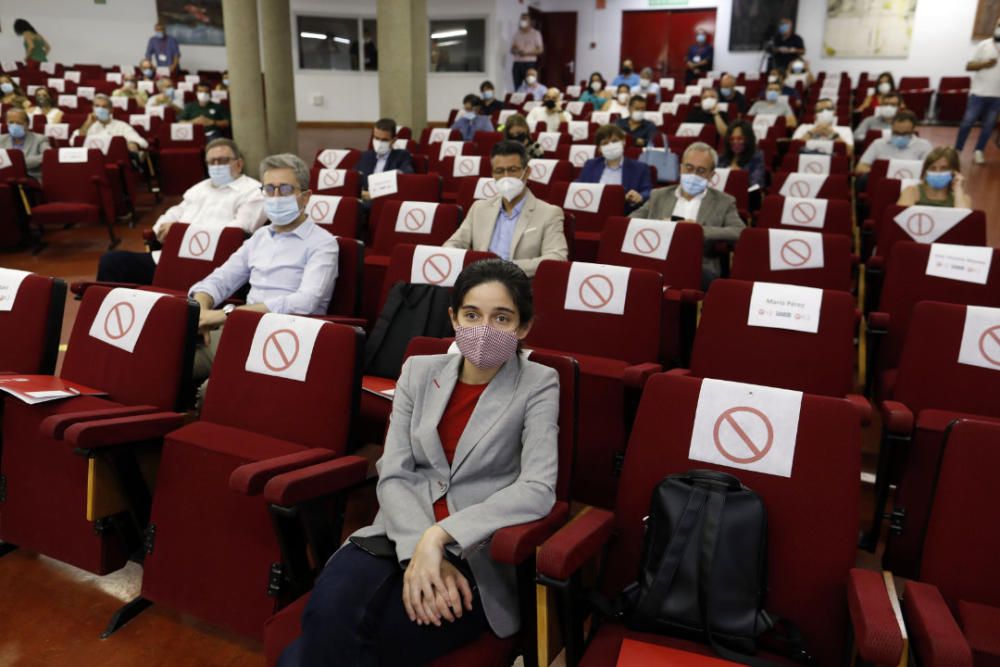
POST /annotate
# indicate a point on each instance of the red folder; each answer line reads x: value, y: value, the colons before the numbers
x: 381, y: 387
x: 33, y: 389
x: 640, y: 654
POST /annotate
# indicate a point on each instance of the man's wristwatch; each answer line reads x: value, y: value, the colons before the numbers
x: 228, y: 308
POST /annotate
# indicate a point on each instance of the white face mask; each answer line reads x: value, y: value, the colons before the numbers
x: 510, y: 188
x: 644, y: 83
x: 202, y: 98
x: 524, y: 23
x: 825, y: 117
x: 381, y: 147
x: 531, y: 79
x: 772, y: 79
x: 613, y: 150
x: 708, y: 103
x: 884, y: 87
x: 596, y: 86
x: 637, y: 115
x: 887, y: 111
x: 623, y: 98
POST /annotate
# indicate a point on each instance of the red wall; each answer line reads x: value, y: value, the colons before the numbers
x: 660, y: 38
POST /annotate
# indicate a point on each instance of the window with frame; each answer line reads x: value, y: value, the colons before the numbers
x: 458, y: 45
x: 332, y: 43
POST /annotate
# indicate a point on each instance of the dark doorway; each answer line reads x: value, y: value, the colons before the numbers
x: 660, y: 38
x: 558, y: 63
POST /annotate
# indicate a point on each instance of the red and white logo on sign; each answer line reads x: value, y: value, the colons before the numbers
x: 813, y: 167
x: 795, y: 252
x: 433, y: 265
x: 181, y: 132
x: 646, y: 241
x: 318, y: 211
x: 485, y: 188
x: 436, y: 269
x: 281, y: 349
x: 804, y: 213
x: 799, y: 189
x: 733, y: 439
x: 122, y: 315
x: 283, y: 345
x: 414, y: 219
x: 596, y: 288
x: 199, y: 243
x: 466, y: 167
x: 648, y: 238
x: 119, y: 320
x: 331, y: 178
x: 596, y: 291
x: 981, y: 338
x: 989, y: 345
x: 920, y: 224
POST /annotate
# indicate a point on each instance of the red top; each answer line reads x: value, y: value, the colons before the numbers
x: 453, y: 422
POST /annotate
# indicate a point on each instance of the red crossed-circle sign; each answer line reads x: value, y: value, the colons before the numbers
x: 436, y: 268
x: 989, y: 345
x: 548, y: 143
x: 796, y: 252
x: 813, y: 167
x: 732, y: 439
x: 596, y: 291
x: 281, y: 349
x: 902, y: 173
x: 799, y: 189
x: 320, y: 209
x: 331, y: 179
x: 489, y: 188
x: 119, y: 320
x: 451, y: 150
x: 803, y: 213
x: 198, y: 243
x: 646, y: 241
x: 539, y: 171
x: 465, y: 167
x: 583, y: 198
x: 414, y: 219
x: 579, y: 157
x: 920, y: 224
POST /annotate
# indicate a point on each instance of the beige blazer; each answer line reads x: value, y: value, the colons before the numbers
x: 503, y: 474
x: 538, y: 233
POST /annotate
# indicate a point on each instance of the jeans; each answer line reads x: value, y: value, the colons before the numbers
x: 978, y: 108
x: 520, y: 69
x: 355, y: 617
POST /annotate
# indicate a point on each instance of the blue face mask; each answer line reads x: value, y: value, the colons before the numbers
x: 225, y: 82
x: 772, y: 96
x: 147, y: 71
x: 159, y: 33
x: 16, y: 130
x: 7, y: 87
x: 784, y: 28
x: 693, y: 184
x: 102, y: 114
x: 700, y: 39
x: 487, y: 94
x: 282, y: 211
x: 939, y: 180
x: 169, y: 92
x: 470, y: 115
x: 900, y: 141
x: 726, y: 92
x: 220, y: 174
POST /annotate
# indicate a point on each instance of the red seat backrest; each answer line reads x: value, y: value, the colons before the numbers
x: 77, y: 182
x: 347, y: 162
x: 971, y: 230
x: 350, y: 187
x: 445, y: 222
x: 885, y: 194
x: 632, y: 337
x: 954, y: 83
x: 16, y: 169
x: 836, y: 221
x: 466, y: 190
x: 401, y: 262
x: 838, y: 163
x: 197, y: 141
x: 612, y: 204
x: 738, y: 185
x: 752, y: 261
x: 681, y: 269
x: 346, y: 218
x: 726, y: 347
x: 180, y: 273
x: 346, y: 299
x: 836, y: 186
x: 450, y: 179
x: 30, y: 329
x: 411, y: 187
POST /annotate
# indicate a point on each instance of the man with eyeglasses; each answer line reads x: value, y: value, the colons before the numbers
x: 227, y: 198
x: 694, y: 201
x: 513, y: 224
x: 903, y: 144
x: 291, y: 265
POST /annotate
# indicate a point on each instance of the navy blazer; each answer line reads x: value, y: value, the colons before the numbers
x: 398, y: 159
x: 635, y: 176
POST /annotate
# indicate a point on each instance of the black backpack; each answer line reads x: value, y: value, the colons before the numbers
x: 703, y: 571
x: 410, y: 310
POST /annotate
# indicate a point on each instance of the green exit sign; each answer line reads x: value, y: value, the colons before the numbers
x: 667, y: 3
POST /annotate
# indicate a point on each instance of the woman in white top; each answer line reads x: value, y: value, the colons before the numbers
x: 548, y: 112
x: 44, y: 105
x: 619, y: 104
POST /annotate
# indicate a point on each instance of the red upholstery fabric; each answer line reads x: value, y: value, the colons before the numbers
x: 981, y: 625
x: 752, y: 261
x: 181, y: 163
x: 837, y: 220
x: 347, y: 162
x: 299, y: 486
x: 612, y: 204
x: 820, y: 363
x: 876, y: 632
x: 30, y: 329
x: 346, y: 299
x: 444, y: 224
x: 347, y: 219
x: 74, y: 192
x: 411, y: 187
x: 450, y: 183
x: 180, y: 273
x: 808, y: 561
x: 400, y: 264
x: 350, y: 188
x: 971, y: 230
x: 936, y: 638
x: 836, y: 186
x: 580, y: 541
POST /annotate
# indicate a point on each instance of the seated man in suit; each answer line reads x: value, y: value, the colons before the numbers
x: 613, y: 168
x: 514, y: 224
x: 694, y: 201
x: 19, y: 137
x: 382, y: 157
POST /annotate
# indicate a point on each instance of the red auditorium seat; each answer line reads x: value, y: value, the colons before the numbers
x: 181, y: 148
x: 453, y: 169
x: 952, y: 96
x: 338, y: 182
x: 345, y: 304
x: 341, y: 216
x: 735, y: 182
x: 410, y: 187
x: 949, y: 368
x: 514, y: 545
x: 795, y: 147
x: 833, y: 186
x: 74, y: 191
x: 953, y: 611
x: 336, y: 158
x: 30, y: 322
x: 810, y: 577
x: 814, y: 164
x: 609, y: 319
x: 472, y: 189
x: 674, y: 251
x: 919, y: 225
x: 794, y: 257
x: 591, y: 204
x: 882, y: 195
x: 916, y: 92
x: 435, y: 135
x: 51, y: 451
x: 123, y: 179
x: 212, y: 550
x: 806, y: 215
x: 544, y: 173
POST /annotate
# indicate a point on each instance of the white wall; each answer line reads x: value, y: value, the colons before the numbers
x: 940, y: 45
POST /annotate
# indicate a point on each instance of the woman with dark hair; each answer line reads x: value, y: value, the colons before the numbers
x: 471, y: 448
x: 739, y: 151
x: 592, y: 94
x: 491, y: 105
x: 35, y: 46
x: 884, y: 85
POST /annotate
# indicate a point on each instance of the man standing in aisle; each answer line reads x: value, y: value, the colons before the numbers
x: 526, y: 47
x: 984, y: 95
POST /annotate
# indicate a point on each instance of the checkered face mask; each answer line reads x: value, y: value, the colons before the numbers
x: 484, y: 346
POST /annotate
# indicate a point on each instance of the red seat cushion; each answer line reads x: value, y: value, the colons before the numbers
x: 981, y: 627
x: 65, y: 213
x: 244, y: 445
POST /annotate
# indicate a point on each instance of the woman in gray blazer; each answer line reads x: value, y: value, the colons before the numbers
x: 471, y: 448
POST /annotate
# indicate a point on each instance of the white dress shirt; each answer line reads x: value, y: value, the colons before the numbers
x: 542, y: 115
x: 236, y: 204
x: 292, y: 273
x: 843, y: 130
x: 687, y: 209
x: 117, y: 128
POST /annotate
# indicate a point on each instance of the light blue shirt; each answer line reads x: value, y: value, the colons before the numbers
x: 503, y: 231
x: 292, y: 273
x: 631, y: 80
x: 612, y: 176
x: 380, y: 163
x: 468, y: 127
x: 536, y: 91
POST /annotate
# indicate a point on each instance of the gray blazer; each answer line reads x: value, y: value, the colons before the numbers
x: 503, y: 473
x: 34, y: 146
x: 717, y: 215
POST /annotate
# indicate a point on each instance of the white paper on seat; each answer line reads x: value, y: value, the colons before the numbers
x: 115, y: 77
x: 57, y: 130
x: 466, y: 165
x: 580, y: 153
x: 899, y: 168
x: 283, y: 345
x: 814, y: 164
x: 802, y: 185
x: 8, y: 65
x: 486, y: 187
x: 139, y: 120
x: 654, y: 117
x: 56, y: 84
x: 332, y: 157
x: 584, y: 197
x: 449, y: 149
x: 120, y: 103
x: 694, y: 91
x: 146, y: 87
x: 597, y: 288
x: 791, y: 307
x: 98, y: 142
x: 746, y: 426
x: 791, y: 250
x: 504, y: 115
x: 383, y: 184
x: 327, y: 179
x: 72, y: 155
x: 574, y: 91
x: 600, y: 117
x: 200, y: 242
x: 529, y: 105
x: 926, y: 224
x: 970, y: 264
x: 4, y: 158
x: 220, y: 96
x: 438, y: 134
x: 804, y: 212
x: 122, y: 316
x: 10, y: 283
x: 400, y: 144
x: 649, y: 238
x: 666, y: 83
x: 68, y: 101
x: 322, y: 209
x: 669, y: 108
x: 416, y: 217
x: 185, y: 87
x: 192, y: 78
x: 824, y: 146
x: 31, y: 90
x: 579, y: 130
x: 548, y: 141
x: 540, y: 171
x: 574, y: 108
x: 981, y: 338
x: 704, y: 82
x: 71, y: 75
x: 161, y: 72
x: 723, y: 107
x: 719, y: 178
x: 434, y: 265
x: 48, y: 68
x: 690, y: 129
x: 181, y: 132
x: 518, y: 98
x: 154, y: 110
x: 682, y: 99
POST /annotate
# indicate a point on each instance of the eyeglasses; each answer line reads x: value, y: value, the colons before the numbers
x: 220, y: 160
x: 689, y: 168
x: 500, y: 172
x: 282, y: 189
